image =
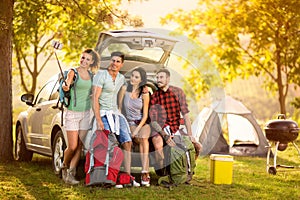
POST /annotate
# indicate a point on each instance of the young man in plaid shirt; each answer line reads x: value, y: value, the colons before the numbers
x: 167, y: 105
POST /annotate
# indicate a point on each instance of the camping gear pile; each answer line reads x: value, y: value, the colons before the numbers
x: 280, y: 132
x: 228, y: 127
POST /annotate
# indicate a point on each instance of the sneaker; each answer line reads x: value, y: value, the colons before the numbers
x: 119, y: 186
x: 70, y: 178
x: 145, y: 179
x: 135, y: 184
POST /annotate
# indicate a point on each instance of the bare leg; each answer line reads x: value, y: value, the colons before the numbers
x: 127, y: 156
x: 76, y: 157
x: 144, y: 147
x: 72, y: 146
x: 144, y: 151
x: 158, y: 146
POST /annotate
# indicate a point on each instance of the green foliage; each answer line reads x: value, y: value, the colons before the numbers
x: 255, y: 37
x: 76, y: 24
x: 203, y: 76
x: 296, y: 103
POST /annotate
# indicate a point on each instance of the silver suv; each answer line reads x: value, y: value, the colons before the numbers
x: 39, y: 128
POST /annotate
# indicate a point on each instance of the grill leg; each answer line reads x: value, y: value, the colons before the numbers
x: 268, y: 156
x: 275, y: 154
x: 272, y: 169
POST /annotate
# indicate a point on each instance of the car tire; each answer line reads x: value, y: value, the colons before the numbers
x: 58, y: 148
x: 20, y: 151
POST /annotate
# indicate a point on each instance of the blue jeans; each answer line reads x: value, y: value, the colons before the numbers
x: 125, y: 135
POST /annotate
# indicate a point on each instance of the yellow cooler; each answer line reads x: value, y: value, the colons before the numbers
x: 221, y: 168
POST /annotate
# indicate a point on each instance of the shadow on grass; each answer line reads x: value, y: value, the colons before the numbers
x: 28, y: 179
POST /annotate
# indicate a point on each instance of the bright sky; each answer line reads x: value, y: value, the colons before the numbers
x: 151, y: 10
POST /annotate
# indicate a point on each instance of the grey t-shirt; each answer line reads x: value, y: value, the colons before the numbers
x: 110, y: 89
x: 133, y: 107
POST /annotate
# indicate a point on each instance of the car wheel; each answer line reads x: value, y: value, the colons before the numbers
x: 20, y: 151
x: 58, y: 148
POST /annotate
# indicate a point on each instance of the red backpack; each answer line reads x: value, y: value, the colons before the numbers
x: 103, y: 159
x: 125, y: 179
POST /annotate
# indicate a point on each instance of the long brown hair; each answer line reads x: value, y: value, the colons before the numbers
x: 143, y: 78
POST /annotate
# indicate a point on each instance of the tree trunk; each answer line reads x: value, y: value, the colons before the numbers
x: 6, y: 17
x: 279, y: 81
x: 281, y: 96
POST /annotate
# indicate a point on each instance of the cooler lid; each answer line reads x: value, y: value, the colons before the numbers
x: 221, y: 157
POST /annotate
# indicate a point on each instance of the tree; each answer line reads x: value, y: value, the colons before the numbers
x: 6, y: 17
x: 255, y: 37
x: 75, y: 23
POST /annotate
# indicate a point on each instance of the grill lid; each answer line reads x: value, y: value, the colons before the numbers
x: 281, y: 125
x: 281, y: 129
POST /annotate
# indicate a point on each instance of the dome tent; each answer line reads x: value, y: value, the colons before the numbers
x: 228, y: 127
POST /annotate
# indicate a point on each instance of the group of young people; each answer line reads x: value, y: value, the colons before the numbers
x: 130, y: 104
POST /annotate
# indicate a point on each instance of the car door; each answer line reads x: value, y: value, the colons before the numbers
x: 40, y: 117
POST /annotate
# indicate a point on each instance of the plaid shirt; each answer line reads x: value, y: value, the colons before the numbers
x: 165, y: 107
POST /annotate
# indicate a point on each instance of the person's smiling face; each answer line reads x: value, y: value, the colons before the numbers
x: 86, y: 60
x: 116, y: 63
x: 135, y: 78
x: 162, y: 80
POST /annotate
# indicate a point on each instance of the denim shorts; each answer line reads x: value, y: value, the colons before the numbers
x: 77, y: 120
x: 125, y: 135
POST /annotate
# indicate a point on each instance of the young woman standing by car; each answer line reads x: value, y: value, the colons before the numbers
x: 78, y: 113
x: 136, y: 105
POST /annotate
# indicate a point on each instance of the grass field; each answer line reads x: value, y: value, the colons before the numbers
x: 35, y: 180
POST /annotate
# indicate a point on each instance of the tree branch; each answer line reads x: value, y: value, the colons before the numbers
x: 80, y: 9
x: 46, y: 43
x: 26, y: 63
x: 21, y: 69
x: 45, y: 62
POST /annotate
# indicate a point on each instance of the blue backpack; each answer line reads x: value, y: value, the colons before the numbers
x: 65, y: 96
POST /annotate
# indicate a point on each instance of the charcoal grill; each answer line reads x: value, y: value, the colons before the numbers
x: 280, y: 132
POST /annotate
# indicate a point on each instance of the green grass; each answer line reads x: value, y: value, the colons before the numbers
x: 35, y: 180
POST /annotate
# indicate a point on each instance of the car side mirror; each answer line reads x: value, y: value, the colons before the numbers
x: 28, y: 99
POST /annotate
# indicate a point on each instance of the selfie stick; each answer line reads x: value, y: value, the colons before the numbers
x: 57, y: 45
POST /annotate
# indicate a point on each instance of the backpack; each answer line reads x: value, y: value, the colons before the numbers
x: 125, y: 179
x: 103, y: 159
x: 180, y: 161
x: 65, y: 96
